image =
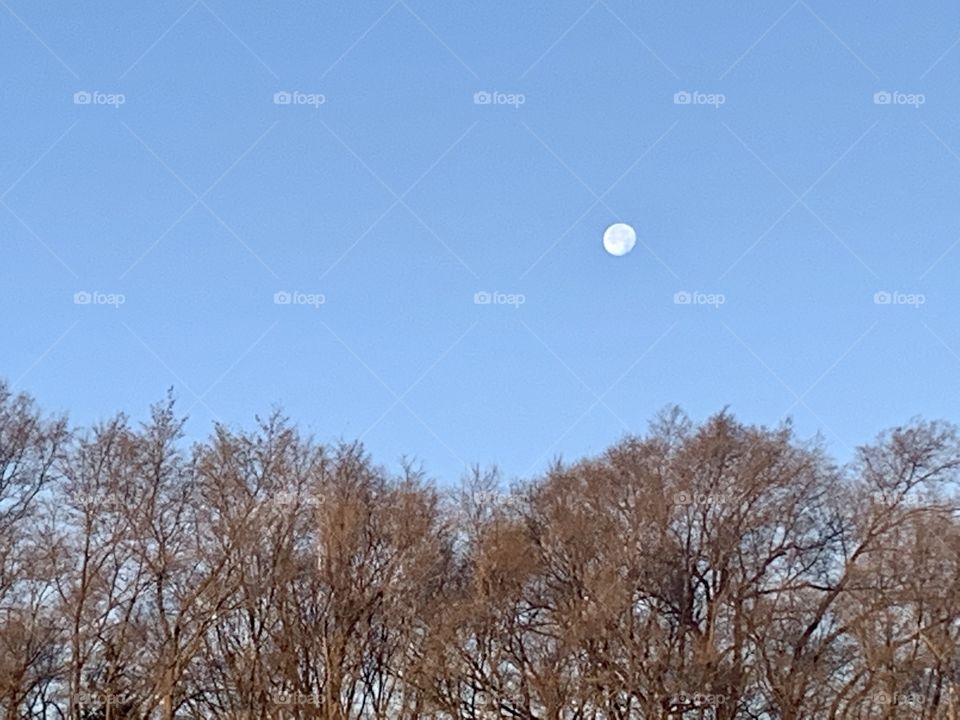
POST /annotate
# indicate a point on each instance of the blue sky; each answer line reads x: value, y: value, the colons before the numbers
x: 781, y: 199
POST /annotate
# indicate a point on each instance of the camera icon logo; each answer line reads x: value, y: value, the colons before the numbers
x: 682, y: 298
x: 882, y: 297
x: 82, y: 297
x: 482, y: 98
x: 82, y: 97
x: 282, y: 97
x: 882, y: 97
x: 282, y: 297
x: 682, y: 98
x: 482, y: 298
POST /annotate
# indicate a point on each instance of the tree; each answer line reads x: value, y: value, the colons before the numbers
x: 30, y: 450
x: 700, y: 571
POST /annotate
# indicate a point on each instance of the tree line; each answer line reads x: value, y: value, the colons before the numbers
x: 709, y: 571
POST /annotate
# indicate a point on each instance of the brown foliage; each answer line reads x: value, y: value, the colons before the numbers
x: 712, y: 571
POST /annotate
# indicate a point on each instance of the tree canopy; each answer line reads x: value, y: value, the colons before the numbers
x: 711, y: 570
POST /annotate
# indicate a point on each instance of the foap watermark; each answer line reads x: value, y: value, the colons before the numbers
x: 695, y: 97
x: 296, y: 698
x: 701, y: 499
x: 95, y: 297
x: 910, y: 698
x: 895, y: 297
x: 693, y: 700
x: 482, y: 297
x: 486, y: 97
x: 295, y: 297
x: 285, y: 503
x: 895, y: 97
x: 685, y: 297
x: 295, y: 97
x: 95, y: 97
x: 98, y: 698
x: 99, y: 501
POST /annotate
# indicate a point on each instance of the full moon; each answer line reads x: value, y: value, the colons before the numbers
x: 619, y: 239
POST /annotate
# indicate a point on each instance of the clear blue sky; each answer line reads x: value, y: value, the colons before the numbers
x: 398, y: 198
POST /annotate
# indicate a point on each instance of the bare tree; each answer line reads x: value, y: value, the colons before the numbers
x: 30, y: 450
x: 711, y: 571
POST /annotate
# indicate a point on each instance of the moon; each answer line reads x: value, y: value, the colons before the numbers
x: 619, y: 239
